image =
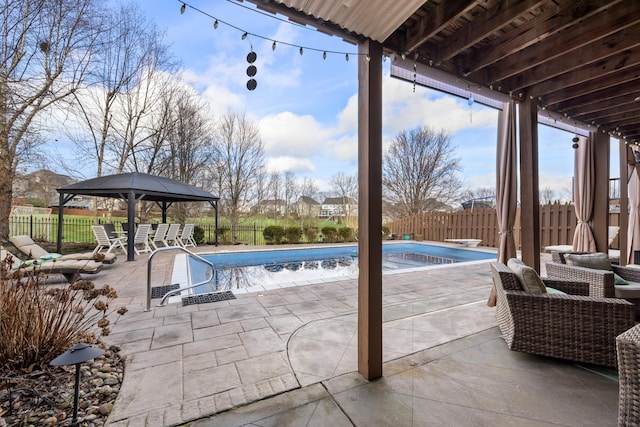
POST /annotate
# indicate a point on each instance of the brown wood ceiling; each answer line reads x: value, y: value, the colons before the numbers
x: 579, y: 58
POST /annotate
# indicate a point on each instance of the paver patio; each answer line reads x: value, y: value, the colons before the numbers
x: 289, y: 357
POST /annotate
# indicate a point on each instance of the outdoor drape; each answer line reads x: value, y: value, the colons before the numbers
x: 506, y: 186
x: 583, y: 240
x: 633, y: 232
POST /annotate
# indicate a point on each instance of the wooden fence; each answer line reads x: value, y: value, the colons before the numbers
x: 557, y: 224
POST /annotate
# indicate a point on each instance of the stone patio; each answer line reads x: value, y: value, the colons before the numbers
x: 289, y: 357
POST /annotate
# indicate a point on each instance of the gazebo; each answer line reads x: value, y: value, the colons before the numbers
x: 133, y: 187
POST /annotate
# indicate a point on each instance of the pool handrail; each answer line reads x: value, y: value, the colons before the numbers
x: 188, y: 252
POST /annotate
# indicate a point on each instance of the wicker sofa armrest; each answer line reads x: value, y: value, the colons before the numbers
x: 631, y: 274
x: 601, y: 282
x: 567, y: 286
x: 563, y: 326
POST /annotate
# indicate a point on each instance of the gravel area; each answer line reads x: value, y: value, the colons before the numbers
x: 43, y: 396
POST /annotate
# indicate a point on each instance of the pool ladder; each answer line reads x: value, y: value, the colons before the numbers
x: 175, y: 291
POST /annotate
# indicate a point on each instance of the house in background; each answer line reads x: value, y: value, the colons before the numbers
x: 334, y: 208
x: 276, y: 207
x: 42, y: 185
x: 307, y: 207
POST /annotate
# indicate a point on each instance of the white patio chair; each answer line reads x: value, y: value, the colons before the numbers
x: 186, y: 237
x: 104, y: 241
x: 172, y: 235
x: 158, y: 237
x: 142, y: 239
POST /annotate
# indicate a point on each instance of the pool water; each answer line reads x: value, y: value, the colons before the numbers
x: 290, y: 267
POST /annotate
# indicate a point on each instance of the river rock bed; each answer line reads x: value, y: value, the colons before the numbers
x: 44, y: 395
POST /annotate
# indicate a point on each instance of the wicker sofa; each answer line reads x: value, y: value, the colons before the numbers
x: 602, y: 282
x: 575, y: 326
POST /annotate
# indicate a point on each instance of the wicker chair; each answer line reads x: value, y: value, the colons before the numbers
x: 575, y: 327
x: 601, y: 282
x: 628, y: 345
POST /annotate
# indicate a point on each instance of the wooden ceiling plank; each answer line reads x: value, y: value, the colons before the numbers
x: 573, y: 38
x: 555, y: 18
x: 430, y: 25
x: 494, y: 20
x: 624, y: 113
x: 565, y: 95
x: 598, y: 51
x: 613, y: 65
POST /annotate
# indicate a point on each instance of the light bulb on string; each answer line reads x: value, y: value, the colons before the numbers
x: 273, y: 46
x: 324, y: 55
x: 215, y: 25
x: 301, y: 51
x: 368, y: 58
x: 346, y: 57
x: 244, y: 36
x: 183, y: 8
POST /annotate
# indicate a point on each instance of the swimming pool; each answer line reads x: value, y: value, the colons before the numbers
x: 249, y: 271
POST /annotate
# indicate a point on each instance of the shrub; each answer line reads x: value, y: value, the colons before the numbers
x: 385, y: 231
x: 224, y: 234
x: 198, y: 234
x: 38, y: 323
x: 311, y: 234
x: 293, y: 234
x: 273, y: 234
x: 346, y: 234
x: 330, y: 234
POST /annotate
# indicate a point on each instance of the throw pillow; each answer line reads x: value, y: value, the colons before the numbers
x: 619, y: 280
x: 554, y: 291
x: 528, y: 277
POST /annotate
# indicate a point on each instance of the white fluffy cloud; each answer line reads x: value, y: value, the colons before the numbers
x: 288, y: 163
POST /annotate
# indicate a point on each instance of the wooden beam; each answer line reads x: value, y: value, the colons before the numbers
x: 370, y: 210
x: 432, y: 24
x: 529, y: 186
x: 600, y: 222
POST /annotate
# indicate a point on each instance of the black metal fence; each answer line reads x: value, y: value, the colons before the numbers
x: 78, y: 230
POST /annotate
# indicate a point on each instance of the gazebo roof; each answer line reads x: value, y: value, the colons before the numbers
x: 150, y: 187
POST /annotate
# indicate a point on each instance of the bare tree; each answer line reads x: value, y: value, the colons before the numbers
x: 346, y: 186
x: 307, y: 189
x: 419, y: 171
x: 275, y: 191
x: 291, y: 191
x: 45, y: 51
x: 240, y: 152
x: 114, y: 111
x: 547, y: 196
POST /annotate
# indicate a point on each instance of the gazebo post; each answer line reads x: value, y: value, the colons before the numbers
x: 216, y: 207
x: 131, y: 216
x: 60, y: 214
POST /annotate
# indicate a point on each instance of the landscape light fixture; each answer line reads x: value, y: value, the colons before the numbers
x: 77, y: 354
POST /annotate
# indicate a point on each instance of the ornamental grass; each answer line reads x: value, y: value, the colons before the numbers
x: 38, y: 322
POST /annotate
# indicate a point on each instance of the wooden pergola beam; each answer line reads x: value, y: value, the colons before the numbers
x: 529, y: 187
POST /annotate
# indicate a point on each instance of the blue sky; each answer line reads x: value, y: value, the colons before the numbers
x: 306, y: 106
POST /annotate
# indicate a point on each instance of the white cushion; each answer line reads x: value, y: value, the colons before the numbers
x: 528, y: 277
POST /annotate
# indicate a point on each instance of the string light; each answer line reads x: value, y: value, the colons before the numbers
x: 246, y: 34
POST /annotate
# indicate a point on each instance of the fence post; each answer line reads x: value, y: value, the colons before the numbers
x: 255, y: 235
x: 31, y: 226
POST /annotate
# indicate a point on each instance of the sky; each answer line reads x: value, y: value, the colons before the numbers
x: 306, y: 106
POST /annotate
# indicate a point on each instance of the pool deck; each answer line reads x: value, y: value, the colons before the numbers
x: 289, y: 357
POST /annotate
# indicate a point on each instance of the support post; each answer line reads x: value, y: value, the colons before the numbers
x: 370, y: 209
x: 60, y: 219
x: 602, y: 149
x: 626, y: 162
x: 529, y: 186
x: 131, y: 217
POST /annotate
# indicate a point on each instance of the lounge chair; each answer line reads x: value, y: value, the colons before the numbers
x: 27, y: 246
x: 172, y: 235
x: 186, y: 237
x: 573, y: 326
x: 104, y: 241
x: 141, y: 238
x: 159, y: 235
x: 70, y: 269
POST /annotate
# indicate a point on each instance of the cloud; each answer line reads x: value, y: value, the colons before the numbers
x: 287, y: 163
x: 289, y: 134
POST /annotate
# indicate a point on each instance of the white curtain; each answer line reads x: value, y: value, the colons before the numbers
x: 506, y: 186
x: 633, y: 231
x: 583, y: 240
